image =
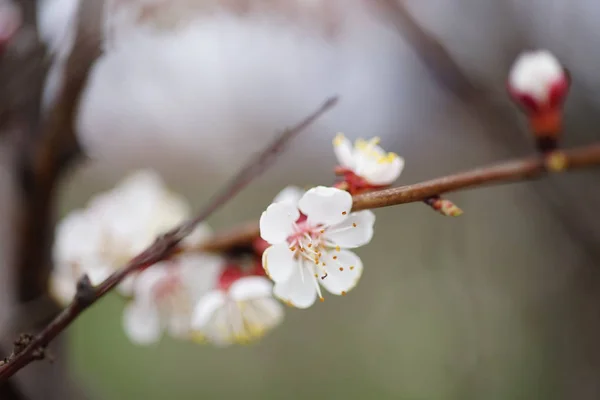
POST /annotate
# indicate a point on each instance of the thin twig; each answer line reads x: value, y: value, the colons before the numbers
x: 161, y: 249
x: 511, y: 171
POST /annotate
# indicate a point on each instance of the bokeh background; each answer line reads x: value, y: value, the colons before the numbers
x: 501, y: 303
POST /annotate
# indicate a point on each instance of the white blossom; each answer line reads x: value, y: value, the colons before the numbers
x: 240, y: 312
x: 115, y: 227
x: 165, y: 295
x: 309, y: 245
x: 539, y: 76
x: 367, y: 160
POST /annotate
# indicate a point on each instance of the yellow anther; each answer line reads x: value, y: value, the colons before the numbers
x: 338, y: 140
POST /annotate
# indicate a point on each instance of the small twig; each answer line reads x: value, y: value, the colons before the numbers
x: 511, y: 171
x: 161, y: 249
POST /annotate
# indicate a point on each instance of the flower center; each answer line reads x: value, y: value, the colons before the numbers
x: 307, y: 244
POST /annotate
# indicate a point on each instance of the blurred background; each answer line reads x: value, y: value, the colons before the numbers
x: 501, y: 303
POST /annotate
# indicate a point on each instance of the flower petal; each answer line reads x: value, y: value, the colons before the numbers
x: 355, y: 231
x: 299, y: 291
x: 62, y: 288
x: 276, y: 223
x: 279, y: 262
x: 386, y: 173
x: 260, y: 316
x: 141, y: 323
x: 251, y: 287
x: 325, y: 205
x: 344, y: 151
x: 200, y: 234
x: 218, y: 329
x: 343, y: 272
x: 206, y: 308
x: 290, y: 195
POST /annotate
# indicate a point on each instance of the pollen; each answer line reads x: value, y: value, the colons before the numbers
x: 335, y: 257
x: 322, y: 231
x: 343, y: 293
x: 354, y: 225
x: 316, y: 275
x: 322, y: 299
x: 344, y: 212
x: 293, y: 248
x: 341, y: 268
x: 352, y: 267
x: 338, y: 139
x: 337, y: 248
x: 309, y: 245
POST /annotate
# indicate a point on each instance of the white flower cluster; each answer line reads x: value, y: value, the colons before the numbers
x: 305, y: 244
x: 185, y: 296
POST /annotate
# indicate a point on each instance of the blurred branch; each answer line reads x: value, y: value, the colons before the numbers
x: 161, y: 249
x: 511, y: 171
x: 45, y: 157
x: 436, y: 58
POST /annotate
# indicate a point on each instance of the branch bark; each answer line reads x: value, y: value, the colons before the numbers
x: 511, y: 171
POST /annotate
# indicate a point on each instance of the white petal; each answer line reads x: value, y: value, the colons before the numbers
x: 207, y: 306
x: 218, y: 329
x: 62, y: 288
x: 125, y: 288
x: 533, y: 73
x: 342, y: 281
x: 276, y: 223
x: 78, y: 236
x: 386, y: 173
x: 299, y: 291
x: 279, y: 262
x: 325, y: 205
x: 252, y: 287
x: 259, y: 316
x: 290, y: 195
x: 355, y: 231
x: 270, y: 311
x: 97, y: 273
x: 344, y: 151
x: 198, y: 272
x: 179, y: 325
x: 200, y: 234
x: 145, y: 281
x: 141, y: 323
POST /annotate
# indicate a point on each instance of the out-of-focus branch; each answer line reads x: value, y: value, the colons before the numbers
x: 161, y: 249
x: 507, y: 172
x: 436, y: 58
x: 45, y: 156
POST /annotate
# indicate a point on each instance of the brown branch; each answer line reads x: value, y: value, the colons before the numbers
x: 161, y: 249
x: 46, y: 155
x: 511, y: 171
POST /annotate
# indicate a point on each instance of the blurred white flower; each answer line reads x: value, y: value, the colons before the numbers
x: 240, y: 310
x: 114, y: 228
x: 308, y: 242
x: 165, y: 295
x: 537, y: 80
x: 366, y: 165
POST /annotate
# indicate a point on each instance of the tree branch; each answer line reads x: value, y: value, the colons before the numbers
x: 511, y: 171
x: 161, y: 249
